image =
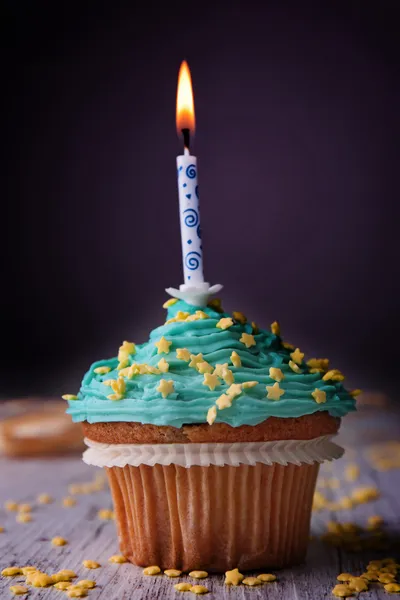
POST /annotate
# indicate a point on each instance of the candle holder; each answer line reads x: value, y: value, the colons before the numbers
x: 197, y: 295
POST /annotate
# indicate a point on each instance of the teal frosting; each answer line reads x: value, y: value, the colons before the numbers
x: 191, y: 400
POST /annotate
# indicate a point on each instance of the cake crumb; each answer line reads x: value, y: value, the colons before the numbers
x: 152, y: 570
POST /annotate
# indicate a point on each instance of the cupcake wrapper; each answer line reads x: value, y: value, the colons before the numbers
x: 281, y: 452
x: 215, y: 518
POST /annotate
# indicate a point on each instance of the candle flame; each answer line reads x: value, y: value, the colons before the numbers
x: 184, y: 101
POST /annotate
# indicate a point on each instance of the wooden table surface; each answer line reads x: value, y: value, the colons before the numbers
x: 91, y: 538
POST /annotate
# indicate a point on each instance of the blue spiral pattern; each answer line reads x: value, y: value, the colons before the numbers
x: 199, y: 232
x: 192, y: 218
x: 192, y: 260
x: 191, y: 171
x: 197, y: 191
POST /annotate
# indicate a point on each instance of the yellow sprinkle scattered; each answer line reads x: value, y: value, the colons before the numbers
x: 123, y: 364
x: 24, y: 517
x: 65, y: 574
x: 297, y: 356
x: 274, y: 391
x: 24, y: 508
x: 118, y: 385
x: 183, y: 587
x: 69, y: 397
x: 19, y: 590
x: 91, y: 564
x: 198, y: 589
x: 318, y: 363
x: 28, y: 569
x: 266, y: 577
x: 172, y: 573
x: 319, y: 396
x: 358, y: 584
x: 204, y: 367
x: 374, y: 522
x: 11, y: 571
x: 294, y: 367
x: 44, y: 499
x: 219, y: 368
x: 224, y: 323
x: 87, y: 584
x: 248, y: 340
x: 361, y: 495
x: 392, y: 588
x: 195, y: 360
x: 233, y: 577
x: 31, y: 575
x: 41, y: 580
x: 370, y: 575
x: 118, y: 559
x: 62, y: 585
x: 255, y: 328
x: 170, y: 302
x: 344, y: 576
x: 115, y: 397
x: 234, y: 390
x: 125, y: 349
x: 105, y: 514
x: 333, y: 375
x: 276, y: 374
x: 352, y: 472
x: 211, y: 381
x: 249, y: 384
x: 239, y: 317
x: 165, y: 387
x: 76, y: 591
x: 68, y: 501
x: 198, y: 574
x: 288, y: 346
x: 163, y: 346
x: 163, y: 365
x: 342, y: 591
x: 102, y: 370
x: 224, y: 401
x: 211, y: 415
x: 252, y: 581
x: 355, y: 393
x: 235, y: 358
x: 183, y: 354
x: 59, y: 541
x: 153, y: 570
x: 275, y: 328
x: 1, y: 529
x: 228, y: 376
x: 386, y: 578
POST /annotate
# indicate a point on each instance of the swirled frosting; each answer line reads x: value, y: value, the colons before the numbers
x: 302, y: 389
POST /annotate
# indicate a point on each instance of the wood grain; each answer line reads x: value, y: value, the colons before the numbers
x: 91, y: 538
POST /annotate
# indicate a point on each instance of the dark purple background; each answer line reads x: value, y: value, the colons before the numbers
x: 297, y: 110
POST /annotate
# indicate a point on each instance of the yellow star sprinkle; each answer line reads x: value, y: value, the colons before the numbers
x: 235, y: 358
x: 248, y: 340
x: 163, y: 365
x: 69, y: 397
x: 233, y: 577
x: 239, y: 317
x: 19, y: 590
x: 318, y: 363
x: 118, y: 559
x: 319, y: 396
x: 294, y: 367
x: 102, y: 370
x: 252, y: 581
x: 115, y: 397
x: 334, y: 375
x: 211, y: 415
x: 211, y: 380
x: 172, y: 573
x: 224, y: 323
x: 274, y: 392
x: 198, y: 574
x: 166, y: 387
x: 297, y: 356
x: 224, y: 401
x: 276, y: 374
x: 199, y: 589
x: 227, y: 376
x: 170, y: 302
x: 266, y: 577
x: 249, y: 384
x: 275, y: 328
x: 234, y: 390
x: 127, y: 348
x: 183, y: 354
x: 58, y: 541
x: 162, y: 346
x: 118, y: 386
x: 342, y: 590
x: 204, y: 367
x: 355, y: 393
x: 195, y: 360
x: 200, y: 314
x: 123, y: 364
x: 288, y: 346
x: 183, y: 587
x: 153, y: 570
x: 219, y: 369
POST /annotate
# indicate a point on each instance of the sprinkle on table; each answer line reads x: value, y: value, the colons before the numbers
x: 297, y: 356
x: 183, y: 587
x: 91, y: 564
x: 68, y: 502
x: 251, y: 581
x: 342, y: 591
x: 166, y: 387
x: 248, y: 340
x: 355, y: 393
x: 235, y: 358
x: 276, y: 374
x: 198, y: 574
x: 24, y: 508
x: 233, y: 577
x: 152, y: 570
x: 11, y: 571
x: 59, y: 541
x: 172, y: 573
x: 319, y: 396
x: 118, y: 559
x: 274, y: 391
x: 211, y: 380
x: 199, y: 589
x: 183, y: 354
x: 87, y: 584
x: 224, y: 323
x: 44, y: 499
x: 163, y: 346
x: 105, y: 514
x: 19, y: 590
x: 11, y: 506
x: 24, y: 517
x: 266, y: 577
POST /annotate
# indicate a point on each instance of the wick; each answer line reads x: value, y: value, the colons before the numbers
x: 186, y: 141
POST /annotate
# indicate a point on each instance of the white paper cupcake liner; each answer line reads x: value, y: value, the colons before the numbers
x: 282, y: 452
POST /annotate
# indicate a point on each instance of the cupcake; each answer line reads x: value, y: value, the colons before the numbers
x: 211, y: 433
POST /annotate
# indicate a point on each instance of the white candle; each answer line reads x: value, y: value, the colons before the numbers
x: 192, y: 254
